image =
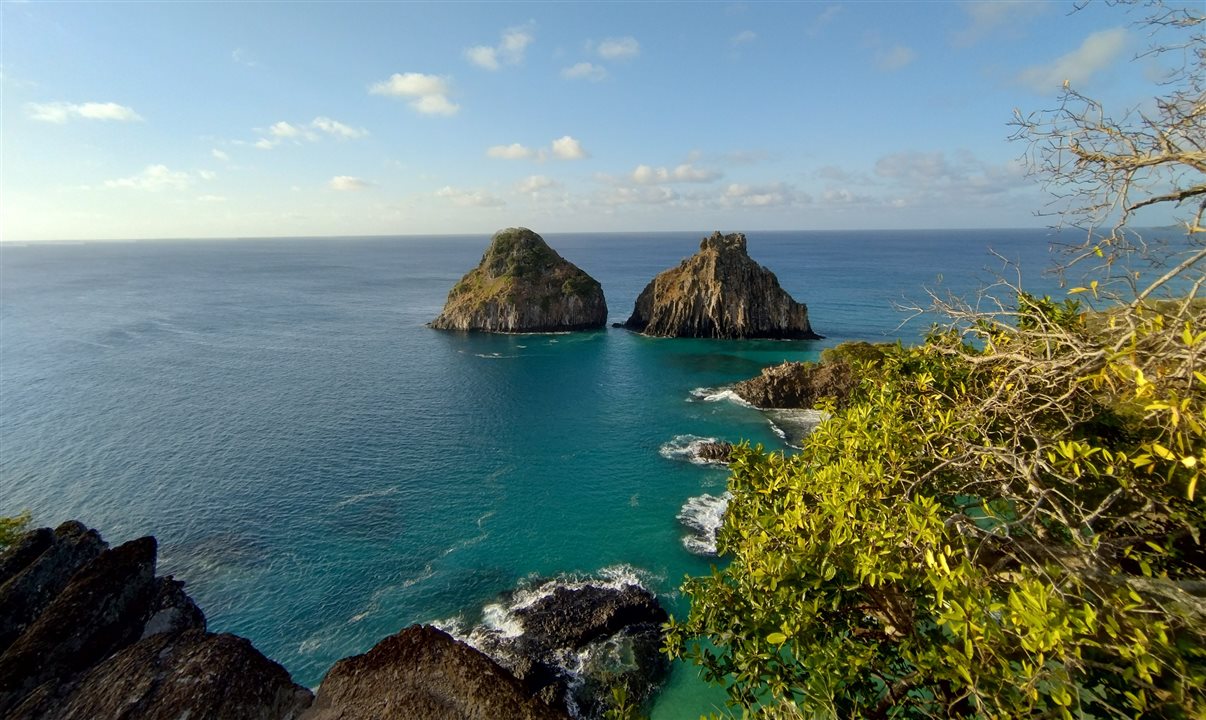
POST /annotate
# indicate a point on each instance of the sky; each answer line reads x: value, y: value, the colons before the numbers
x: 264, y: 119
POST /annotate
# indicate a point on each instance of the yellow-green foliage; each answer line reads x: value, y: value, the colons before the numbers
x: 1003, y: 530
x: 12, y: 528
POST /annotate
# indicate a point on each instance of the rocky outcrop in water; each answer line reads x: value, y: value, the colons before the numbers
x: 720, y: 452
x: 578, y: 641
x: 422, y: 672
x: 802, y: 384
x: 719, y: 292
x: 797, y: 385
x: 523, y: 285
x: 89, y: 631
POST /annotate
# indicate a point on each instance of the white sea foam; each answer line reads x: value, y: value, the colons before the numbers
x: 353, y: 499
x: 703, y: 515
x: 722, y: 394
x: 794, y: 425
x: 500, y: 625
x: 687, y: 447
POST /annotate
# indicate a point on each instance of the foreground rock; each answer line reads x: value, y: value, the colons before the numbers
x: 579, y: 641
x: 423, y: 673
x: 719, y: 292
x: 523, y: 285
x: 89, y: 631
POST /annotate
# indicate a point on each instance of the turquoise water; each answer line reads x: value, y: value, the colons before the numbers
x: 322, y: 470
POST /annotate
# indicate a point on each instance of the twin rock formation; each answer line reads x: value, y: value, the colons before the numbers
x: 88, y: 631
x: 523, y: 285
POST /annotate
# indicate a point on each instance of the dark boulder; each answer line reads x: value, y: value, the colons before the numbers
x: 715, y: 452
x: 191, y: 675
x: 102, y: 609
x: 579, y: 642
x: 35, y: 569
x: 422, y: 672
x: 719, y: 292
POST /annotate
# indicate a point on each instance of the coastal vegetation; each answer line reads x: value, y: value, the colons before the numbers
x: 13, y: 527
x: 1005, y: 520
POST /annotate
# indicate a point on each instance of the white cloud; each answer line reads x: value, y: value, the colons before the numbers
x: 348, y: 183
x: 656, y: 195
x: 242, y: 57
x: 827, y: 16
x: 207, y: 174
x: 470, y: 198
x: 483, y: 57
x: 619, y: 48
x: 510, y: 49
x: 915, y: 167
x: 514, y: 41
x: 894, y: 58
x: 428, y: 93
x: 154, y: 178
x: 211, y: 198
x: 1097, y: 52
x: 337, y: 129
x: 535, y: 183
x: 567, y: 148
x: 514, y: 151
x: 777, y: 194
x: 61, y: 112
x: 283, y: 129
x: 219, y: 155
x: 742, y: 38
x: 584, y: 71
x: 646, y: 175
x: 989, y: 18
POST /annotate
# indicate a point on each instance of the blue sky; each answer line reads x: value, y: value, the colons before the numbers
x: 199, y: 119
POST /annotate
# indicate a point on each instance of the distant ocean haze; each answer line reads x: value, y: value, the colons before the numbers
x: 322, y: 469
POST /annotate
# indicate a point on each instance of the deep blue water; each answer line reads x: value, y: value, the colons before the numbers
x: 322, y: 469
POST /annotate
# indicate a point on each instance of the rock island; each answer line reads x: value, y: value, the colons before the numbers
x: 523, y: 286
x: 719, y: 292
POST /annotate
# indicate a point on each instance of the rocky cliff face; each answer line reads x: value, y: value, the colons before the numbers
x: 89, y: 631
x: 719, y: 292
x: 523, y: 285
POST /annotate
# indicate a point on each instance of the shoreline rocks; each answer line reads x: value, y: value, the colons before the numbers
x: 799, y: 385
x: 91, y: 631
x: 720, y: 292
x: 572, y: 642
x: 422, y: 672
x: 523, y: 286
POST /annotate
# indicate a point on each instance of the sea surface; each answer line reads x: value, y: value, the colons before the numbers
x: 323, y: 470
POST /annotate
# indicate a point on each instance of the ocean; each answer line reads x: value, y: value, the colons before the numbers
x: 322, y: 470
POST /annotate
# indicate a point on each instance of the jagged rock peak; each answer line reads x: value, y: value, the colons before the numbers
x: 719, y: 292
x: 724, y: 243
x: 523, y: 285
